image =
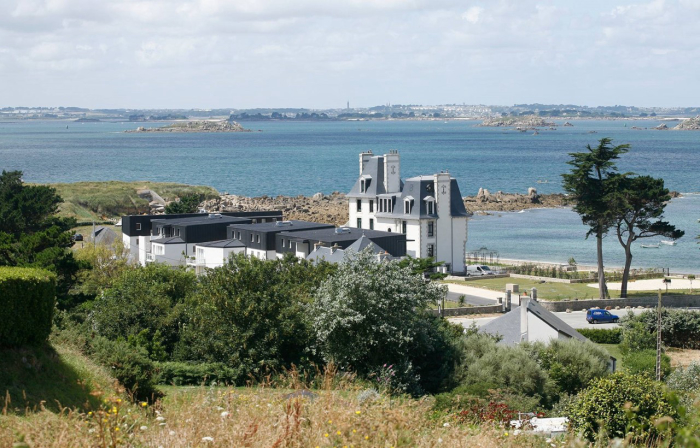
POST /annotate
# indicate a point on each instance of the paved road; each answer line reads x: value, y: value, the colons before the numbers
x: 472, y: 295
x: 469, y: 299
x: 576, y: 319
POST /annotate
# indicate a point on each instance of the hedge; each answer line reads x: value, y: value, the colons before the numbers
x: 602, y: 336
x: 186, y: 374
x: 27, y: 301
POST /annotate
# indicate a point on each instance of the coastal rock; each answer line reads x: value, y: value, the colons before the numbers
x: 511, y: 201
x: 661, y: 127
x: 691, y: 124
x: 318, y: 197
x: 567, y: 124
x: 197, y: 126
x: 521, y: 123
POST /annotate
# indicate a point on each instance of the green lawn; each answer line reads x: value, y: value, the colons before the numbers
x: 551, y: 290
x: 614, y: 350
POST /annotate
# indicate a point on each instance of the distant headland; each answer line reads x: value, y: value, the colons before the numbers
x: 196, y: 126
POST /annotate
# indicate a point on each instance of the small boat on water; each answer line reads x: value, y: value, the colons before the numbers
x: 668, y: 242
x: 650, y: 246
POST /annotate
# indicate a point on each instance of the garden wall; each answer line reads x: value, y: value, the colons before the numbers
x: 487, y: 309
x: 669, y: 301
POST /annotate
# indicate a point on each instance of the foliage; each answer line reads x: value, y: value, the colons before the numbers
x: 589, y: 185
x: 130, y: 366
x: 31, y: 236
x: 679, y: 328
x: 368, y: 314
x: 686, y: 382
x: 571, y: 364
x: 190, y: 374
x: 188, y: 203
x: 636, y: 337
x: 251, y: 315
x: 423, y: 266
x: 643, y: 362
x: 149, y: 299
x: 602, y: 335
x: 484, y: 365
x: 621, y: 403
x: 27, y: 299
x: 639, y: 204
x: 106, y: 265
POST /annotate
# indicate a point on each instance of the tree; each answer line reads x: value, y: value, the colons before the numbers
x: 638, y: 203
x: 589, y: 184
x: 188, y: 203
x: 30, y: 234
x: 423, y: 266
x: 369, y: 314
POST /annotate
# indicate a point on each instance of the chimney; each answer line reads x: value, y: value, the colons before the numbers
x: 523, y: 320
x: 334, y: 248
x: 392, y: 171
x: 364, y: 158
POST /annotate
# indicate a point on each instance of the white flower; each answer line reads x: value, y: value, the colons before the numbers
x: 219, y: 408
x: 207, y: 439
x: 516, y: 432
x: 445, y: 424
x: 172, y: 433
x: 160, y: 419
x: 440, y: 440
x: 224, y: 414
x: 162, y: 424
x: 143, y: 428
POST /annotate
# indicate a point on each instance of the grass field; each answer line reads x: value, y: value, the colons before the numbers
x: 553, y: 291
x: 89, y: 201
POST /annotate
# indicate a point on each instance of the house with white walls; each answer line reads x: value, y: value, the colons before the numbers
x: 428, y: 209
x: 214, y: 254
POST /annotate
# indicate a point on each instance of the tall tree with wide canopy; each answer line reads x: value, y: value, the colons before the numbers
x: 589, y: 184
x: 639, y: 204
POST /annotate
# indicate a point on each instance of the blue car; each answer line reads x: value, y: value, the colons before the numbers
x: 601, y: 316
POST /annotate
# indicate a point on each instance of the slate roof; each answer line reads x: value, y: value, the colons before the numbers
x: 198, y: 220
x: 508, y: 325
x: 104, y: 235
x: 169, y: 240
x: 222, y: 243
x: 337, y: 255
x: 329, y: 235
x: 281, y: 226
x: 374, y: 168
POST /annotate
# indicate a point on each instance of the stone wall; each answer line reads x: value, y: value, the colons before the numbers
x: 670, y: 301
x: 487, y: 309
x: 554, y: 280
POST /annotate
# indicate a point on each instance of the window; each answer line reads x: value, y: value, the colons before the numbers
x: 177, y: 232
x: 138, y: 226
x: 431, y: 250
x: 408, y: 206
x: 239, y: 236
x: 430, y: 207
x: 359, y: 223
x: 283, y: 242
x: 389, y: 230
x: 371, y: 206
x: 403, y: 227
x: 431, y: 228
x: 359, y: 205
x: 362, y: 186
x: 371, y: 224
x: 257, y: 239
x: 251, y: 237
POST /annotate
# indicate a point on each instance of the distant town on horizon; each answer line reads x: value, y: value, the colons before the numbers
x: 388, y: 111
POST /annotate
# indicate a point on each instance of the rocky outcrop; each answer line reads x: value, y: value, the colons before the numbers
x: 661, y: 127
x: 500, y: 201
x: 524, y: 122
x: 197, y: 126
x: 691, y: 124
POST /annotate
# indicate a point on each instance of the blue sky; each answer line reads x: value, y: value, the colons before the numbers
x: 322, y: 53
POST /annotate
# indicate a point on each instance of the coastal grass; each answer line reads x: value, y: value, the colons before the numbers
x: 88, y: 201
x: 555, y: 291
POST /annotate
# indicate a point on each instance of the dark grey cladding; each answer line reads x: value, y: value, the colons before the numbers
x: 373, y: 170
x: 456, y: 202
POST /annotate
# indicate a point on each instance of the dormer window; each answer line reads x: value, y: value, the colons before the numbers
x: 430, y: 204
x: 364, y: 183
x: 408, y: 205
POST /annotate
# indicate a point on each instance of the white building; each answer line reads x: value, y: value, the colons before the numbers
x: 427, y: 209
x: 215, y: 254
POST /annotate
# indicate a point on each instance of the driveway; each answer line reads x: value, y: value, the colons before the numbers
x: 472, y: 295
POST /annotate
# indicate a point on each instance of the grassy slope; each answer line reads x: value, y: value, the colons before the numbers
x: 552, y: 291
x: 93, y: 200
x: 56, y: 375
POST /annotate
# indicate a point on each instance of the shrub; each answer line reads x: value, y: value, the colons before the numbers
x: 643, y: 362
x: 636, y: 337
x: 679, y: 328
x: 130, y: 366
x: 571, y: 364
x: 602, y: 336
x: 621, y: 403
x: 187, y: 374
x: 685, y: 381
x: 368, y: 314
x: 27, y: 300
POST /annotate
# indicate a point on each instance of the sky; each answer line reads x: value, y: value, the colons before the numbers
x: 323, y: 53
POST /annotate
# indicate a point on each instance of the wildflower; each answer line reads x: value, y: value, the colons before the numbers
x: 116, y: 428
x: 354, y: 431
x: 90, y: 413
x: 366, y: 437
x: 144, y: 404
x: 505, y: 433
x: 104, y: 420
x: 224, y: 414
x: 339, y: 433
x: 207, y: 439
x: 172, y: 433
x: 162, y: 424
x: 219, y: 408
x: 446, y: 425
x: 330, y: 421
x: 325, y: 435
x: 119, y: 400
x: 114, y: 410
x: 143, y: 428
x: 358, y: 412
x: 160, y: 419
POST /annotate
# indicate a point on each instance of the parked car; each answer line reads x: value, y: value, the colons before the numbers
x: 478, y: 269
x: 77, y: 237
x: 601, y: 316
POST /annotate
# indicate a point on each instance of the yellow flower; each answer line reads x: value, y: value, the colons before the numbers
x: 339, y: 433
x: 116, y: 428
x: 330, y: 421
x: 354, y: 431
x: 114, y: 410
x: 366, y: 437
x: 104, y: 420
x: 119, y: 400
x: 144, y: 404
x: 505, y: 434
x: 357, y: 412
x: 90, y: 413
x: 325, y: 435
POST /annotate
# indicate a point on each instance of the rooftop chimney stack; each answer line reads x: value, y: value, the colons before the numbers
x: 392, y: 172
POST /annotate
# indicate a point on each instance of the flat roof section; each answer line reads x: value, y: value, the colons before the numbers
x: 338, y: 234
x: 198, y: 220
x: 222, y: 243
x: 281, y: 226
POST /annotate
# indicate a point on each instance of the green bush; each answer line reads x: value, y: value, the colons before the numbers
x: 679, y: 328
x: 636, y: 337
x: 602, y: 336
x: 130, y: 365
x: 27, y: 301
x: 643, y: 362
x: 188, y: 374
x: 685, y: 381
x: 620, y: 404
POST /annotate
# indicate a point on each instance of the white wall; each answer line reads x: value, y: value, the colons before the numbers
x: 169, y: 254
x: 261, y: 254
x: 144, y: 247
x: 413, y: 228
x: 537, y: 330
x: 214, y: 257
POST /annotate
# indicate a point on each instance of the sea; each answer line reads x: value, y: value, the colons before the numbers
x: 303, y: 158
